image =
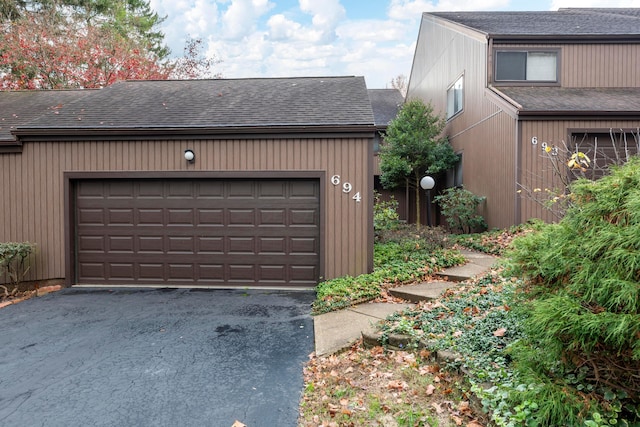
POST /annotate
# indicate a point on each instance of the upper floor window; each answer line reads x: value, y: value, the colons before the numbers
x: 455, y: 98
x: 535, y: 66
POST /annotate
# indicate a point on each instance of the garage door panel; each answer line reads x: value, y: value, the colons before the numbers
x: 92, y: 244
x: 120, y: 190
x: 272, y: 217
x: 210, y: 245
x: 273, y: 273
x: 272, y: 245
x: 149, y: 272
x: 241, y: 217
x: 179, y: 217
x: 121, y: 270
x: 91, y: 216
x: 210, y: 217
x: 121, y: 244
x: 299, y: 217
x: 241, y: 272
x: 272, y: 190
x: 181, y: 272
x: 150, y: 244
x: 181, y: 245
x: 120, y: 217
x: 214, y: 232
x: 94, y: 270
x: 147, y: 216
x: 303, y: 274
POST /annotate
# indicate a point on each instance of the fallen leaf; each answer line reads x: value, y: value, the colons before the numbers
x: 430, y: 389
x: 425, y: 354
x: 457, y: 420
x: 500, y: 332
x: 438, y: 407
x: 397, y: 385
x: 457, y: 334
x: 474, y: 423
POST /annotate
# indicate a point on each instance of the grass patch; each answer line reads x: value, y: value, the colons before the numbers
x: 380, y: 387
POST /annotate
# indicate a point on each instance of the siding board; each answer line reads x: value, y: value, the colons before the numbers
x: 484, y: 132
x: 593, y: 65
x: 34, y: 180
x: 536, y: 170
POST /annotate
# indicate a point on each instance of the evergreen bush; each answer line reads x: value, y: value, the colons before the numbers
x: 459, y: 207
x: 582, y: 295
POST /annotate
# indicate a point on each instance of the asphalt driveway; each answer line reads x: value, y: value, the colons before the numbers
x: 134, y: 357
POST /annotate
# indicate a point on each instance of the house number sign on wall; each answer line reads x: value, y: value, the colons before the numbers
x: 346, y: 187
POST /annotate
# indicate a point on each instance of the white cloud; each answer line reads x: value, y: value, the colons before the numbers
x: 408, y: 10
x: 557, y: 4
x: 283, y: 29
x: 241, y: 17
x: 373, y: 30
x: 327, y: 14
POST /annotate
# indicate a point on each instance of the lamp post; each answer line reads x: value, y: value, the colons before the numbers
x: 427, y: 183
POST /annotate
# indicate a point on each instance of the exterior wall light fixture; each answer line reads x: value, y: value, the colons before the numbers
x: 189, y: 155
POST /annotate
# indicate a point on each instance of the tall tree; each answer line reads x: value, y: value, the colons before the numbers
x: 130, y: 18
x: 414, y: 146
x: 194, y: 64
x: 48, y: 50
x: 400, y: 82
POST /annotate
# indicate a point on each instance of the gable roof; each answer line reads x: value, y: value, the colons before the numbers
x: 20, y: 107
x: 555, y: 101
x: 219, y: 105
x: 569, y: 22
x: 385, y: 104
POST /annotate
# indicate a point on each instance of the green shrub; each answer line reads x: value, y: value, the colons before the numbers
x: 385, y: 214
x: 582, y: 293
x: 459, y: 207
x: 14, y: 261
x: 406, y: 255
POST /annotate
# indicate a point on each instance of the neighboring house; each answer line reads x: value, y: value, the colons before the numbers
x: 512, y: 83
x: 278, y: 194
x: 385, y: 104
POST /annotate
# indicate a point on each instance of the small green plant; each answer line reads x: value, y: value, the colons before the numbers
x: 14, y: 262
x: 385, y: 214
x: 459, y: 207
x: 407, y: 256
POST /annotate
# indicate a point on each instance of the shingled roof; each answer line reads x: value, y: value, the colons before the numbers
x: 303, y: 103
x: 20, y: 107
x: 569, y: 22
x: 574, y: 101
x: 385, y: 104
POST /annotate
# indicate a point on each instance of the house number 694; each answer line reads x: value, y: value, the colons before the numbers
x: 346, y: 187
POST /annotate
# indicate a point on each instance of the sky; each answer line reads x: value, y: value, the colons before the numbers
x: 293, y: 38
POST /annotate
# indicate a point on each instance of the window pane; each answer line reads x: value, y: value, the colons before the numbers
x: 511, y: 65
x: 541, y: 66
x: 455, y: 98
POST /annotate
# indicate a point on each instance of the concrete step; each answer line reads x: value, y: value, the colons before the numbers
x: 424, y: 291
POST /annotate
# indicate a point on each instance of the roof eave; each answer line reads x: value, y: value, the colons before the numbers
x: 566, y: 38
x: 235, y: 132
x: 574, y: 114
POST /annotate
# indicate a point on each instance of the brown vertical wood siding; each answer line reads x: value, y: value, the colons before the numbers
x: 484, y: 132
x: 537, y: 172
x: 32, y: 188
x: 592, y: 65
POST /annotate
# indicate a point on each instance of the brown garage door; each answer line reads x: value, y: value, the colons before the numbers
x: 212, y: 232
